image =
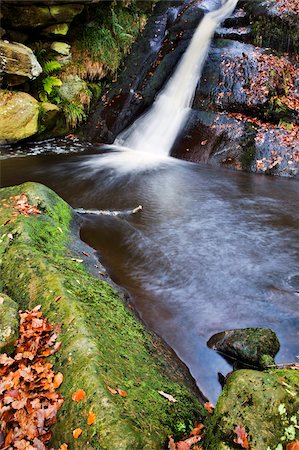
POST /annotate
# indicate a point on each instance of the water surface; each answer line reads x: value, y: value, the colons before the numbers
x: 211, y: 249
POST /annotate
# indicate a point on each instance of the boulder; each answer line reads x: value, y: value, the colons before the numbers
x: 247, y: 345
x: 19, y: 114
x: 18, y: 60
x: 34, y: 16
x: 59, y: 29
x: 9, y: 322
x: 264, y: 403
x: 62, y: 48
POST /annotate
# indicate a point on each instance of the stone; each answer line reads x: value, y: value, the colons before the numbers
x: 9, y: 323
x: 62, y: 48
x: 33, y: 16
x: 247, y: 345
x: 49, y: 114
x: 264, y: 403
x: 17, y: 59
x: 59, y: 29
x: 71, y: 87
x: 19, y: 114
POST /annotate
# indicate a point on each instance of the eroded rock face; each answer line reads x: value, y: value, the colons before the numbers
x: 9, y: 323
x: 247, y: 345
x: 262, y: 402
x: 19, y: 116
x: 18, y: 60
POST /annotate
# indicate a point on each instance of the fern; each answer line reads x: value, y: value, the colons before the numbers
x: 74, y: 114
x: 49, y: 83
x: 51, y: 66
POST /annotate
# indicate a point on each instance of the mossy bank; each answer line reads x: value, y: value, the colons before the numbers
x: 103, y: 344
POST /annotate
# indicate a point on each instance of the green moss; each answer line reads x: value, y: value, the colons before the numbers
x: 9, y: 323
x: 252, y: 399
x: 103, y: 343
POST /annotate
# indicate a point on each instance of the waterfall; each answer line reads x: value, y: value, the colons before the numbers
x: 156, y: 130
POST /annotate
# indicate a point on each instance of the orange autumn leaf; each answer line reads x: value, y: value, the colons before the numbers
x: 117, y: 391
x: 78, y: 395
x: 208, y: 406
x: 58, y: 379
x: 77, y: 432
x: 241, y: 437
x: 63, y: 447
x: 293, y: 446
x: 91, y: 418
x: 8, y: 438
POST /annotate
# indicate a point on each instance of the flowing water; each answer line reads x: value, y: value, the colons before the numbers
x: 157, y: 130
x: 210, y: 250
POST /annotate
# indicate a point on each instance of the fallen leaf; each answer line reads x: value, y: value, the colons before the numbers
x: 171, y: 443
x: 117, y: 391
x: 91, y: 418
x: 58, y: 379
x: 241, y: 437
x: 204, y: 142
x: 78, y: 395
x: 168, y: 396
x: 63, y: 447
x: 208, y: 406
x: 6, y: 222
x: 57, y: 299
x: 197, y: 430
x: 182, y: 445
x: 293, y: 446
x: 77, y: 432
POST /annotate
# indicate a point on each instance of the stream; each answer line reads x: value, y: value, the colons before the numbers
x: 210, y: 250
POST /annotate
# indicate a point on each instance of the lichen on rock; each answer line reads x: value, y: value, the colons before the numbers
x: 9, y: 323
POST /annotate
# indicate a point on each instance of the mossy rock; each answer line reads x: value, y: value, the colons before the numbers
x: 9, y: 323
x: 19, y: 114
x: 265, y: 403
x: 248, y: 345
x: 17, y: 59
x: 59, y: 29
x: 103, y: 344
x: 34, y: 16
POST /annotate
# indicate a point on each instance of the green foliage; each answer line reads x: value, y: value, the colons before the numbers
x: 74, y: 113
x: 51, y: 66
x: 49, y: 83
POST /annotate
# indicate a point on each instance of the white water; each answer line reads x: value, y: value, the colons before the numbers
x: 156, y: 131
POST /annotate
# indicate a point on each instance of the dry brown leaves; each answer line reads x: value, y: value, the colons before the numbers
x: 242, y: 437
x: 28, y: 401
x: 288, y: 6
x: 188, y: 442
x: 20, y: 205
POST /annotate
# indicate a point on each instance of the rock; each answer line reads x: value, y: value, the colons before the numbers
x: 62, y: 48
x: 247, y: 345
x: 59, y: 29
x: 264, y: 403
x: 71, y: 88
x: 19, y: 116
x: 17, y: 59
x: 49, y: 114
x: 33, y: 16
x: 9, y: 323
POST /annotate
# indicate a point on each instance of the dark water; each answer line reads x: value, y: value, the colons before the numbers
x: 211, y: 249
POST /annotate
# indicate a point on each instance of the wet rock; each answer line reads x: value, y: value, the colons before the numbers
x: 9, y: 323
x: 18, y: 60
x: 247, y: 345
x: 19, y: 116
x: 59, y: 29
x: 72, y: 86
x: 262, y: 402
x: 216, y: 139
x: 28, y: 17
x: 242, y: 34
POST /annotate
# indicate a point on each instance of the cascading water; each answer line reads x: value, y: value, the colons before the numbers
x: 156, y: 131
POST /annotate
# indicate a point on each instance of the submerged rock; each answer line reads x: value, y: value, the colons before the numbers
x: 247, y: 345
x: 264, y: 403
x: 17, y: 59
x: 9, y: 323
x: 19, y: 116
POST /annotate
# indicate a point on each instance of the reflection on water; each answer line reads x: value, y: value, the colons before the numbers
x: 210, y: 250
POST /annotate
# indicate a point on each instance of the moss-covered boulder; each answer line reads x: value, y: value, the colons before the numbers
x: 264, y: 403
x: 35, y: 16
x: 248, y: 345
x: 103, y: 344
x: 9, y: 322
x: 17, y: 59
x: 19, y: 114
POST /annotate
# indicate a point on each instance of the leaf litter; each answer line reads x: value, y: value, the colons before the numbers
x: 28, y: 399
